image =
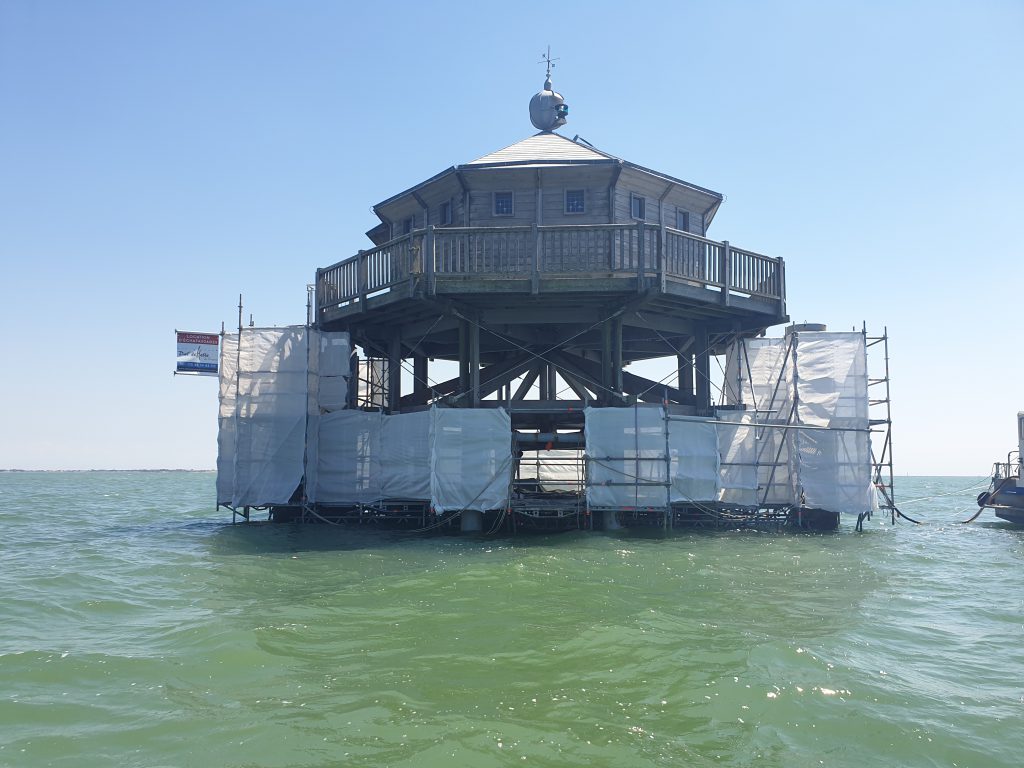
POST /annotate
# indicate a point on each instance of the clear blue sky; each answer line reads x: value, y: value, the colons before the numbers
x: 159, y: 158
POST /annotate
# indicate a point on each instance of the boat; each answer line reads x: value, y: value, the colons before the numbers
x: 1005, y: 493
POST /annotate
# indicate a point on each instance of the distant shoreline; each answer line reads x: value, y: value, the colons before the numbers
x: 161, y: 469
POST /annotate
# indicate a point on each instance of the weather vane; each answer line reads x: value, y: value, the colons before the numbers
x: 546, y: 58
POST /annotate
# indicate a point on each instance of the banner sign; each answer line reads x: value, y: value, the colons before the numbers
x: 197, y: 353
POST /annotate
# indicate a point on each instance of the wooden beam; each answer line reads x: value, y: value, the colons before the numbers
x: 527, y: 383
x: 578, y: 387
x: 493, y: 376
x: 647, y: 390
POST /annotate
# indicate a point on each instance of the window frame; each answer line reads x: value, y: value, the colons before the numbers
x: 583, y: 202
x: 494, y: 204
x: 633, y: 199
x: 686, y: 219
x: 408, y: 224
x: 442, y: 219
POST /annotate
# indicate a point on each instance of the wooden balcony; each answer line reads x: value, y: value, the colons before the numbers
x: 553, y: 259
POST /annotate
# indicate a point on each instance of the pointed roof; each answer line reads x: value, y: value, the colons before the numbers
x: 544, y: 148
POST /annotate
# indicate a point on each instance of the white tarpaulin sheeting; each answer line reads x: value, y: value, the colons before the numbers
x: 626, y: 458
x: 815, y: 383
x: 349, y: 454
x: 268, y: 407
x: 270, y: 415
x: 405, y: 459
x: 833, y: 467
x: 457, y: 458
x: 628, y: 464
x: 738, y: 449
x: 694, y: 469
x: 471, y: 458
x: 226, y: 420
x: 554, y: 470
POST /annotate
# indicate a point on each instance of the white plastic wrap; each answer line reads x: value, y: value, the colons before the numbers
x: 626, y: 458
x: 405, y: 456
x: 833, y: 472
x: 333, y: 371
x: 833, y: 467
x: 738, y: 449
x: 328, y: 391
x: 270, y: 415
x: 555, y: 470
x: 471, y: 458
x: 832, y: 381
x: 226, y: 419
x: 456, y: 458
x: 269, y: 411
x: 349, y: 467
x: 695, y: 462
x: 807, y: 380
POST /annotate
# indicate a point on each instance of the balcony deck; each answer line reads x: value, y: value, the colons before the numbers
x: 544, y: 260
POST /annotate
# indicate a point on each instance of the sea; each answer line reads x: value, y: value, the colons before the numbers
x: 140, y: 627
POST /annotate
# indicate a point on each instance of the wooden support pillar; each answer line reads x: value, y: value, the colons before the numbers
x: 617, y: 354
x: 353, y: 379
x: 463, y: 356
x: 395, y: 374
x: 474, y: 364
x: 684, y: 364
x: 420, y: 374
x: 702, y: 369
x: 607, y: 377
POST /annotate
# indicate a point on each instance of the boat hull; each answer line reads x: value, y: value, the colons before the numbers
x: 1006, y: 499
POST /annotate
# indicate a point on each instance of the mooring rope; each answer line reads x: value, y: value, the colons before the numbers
x: 950, y: 493
x: 973, y: 517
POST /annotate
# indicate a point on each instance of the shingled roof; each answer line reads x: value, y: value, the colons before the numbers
x: 544, y: 148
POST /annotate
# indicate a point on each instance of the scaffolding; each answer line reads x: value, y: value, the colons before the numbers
x: 791, y: 441
x: 881, y: 411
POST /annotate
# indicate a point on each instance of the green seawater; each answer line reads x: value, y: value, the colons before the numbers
x: 138, y: 627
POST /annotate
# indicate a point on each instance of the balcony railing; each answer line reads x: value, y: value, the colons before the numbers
x: 653, y: 254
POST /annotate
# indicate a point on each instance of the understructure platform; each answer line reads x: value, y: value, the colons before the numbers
x: 546, y: 513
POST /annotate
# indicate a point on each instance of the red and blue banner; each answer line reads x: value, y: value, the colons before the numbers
x: 197, y: 353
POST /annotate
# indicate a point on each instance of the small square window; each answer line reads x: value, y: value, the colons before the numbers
x: 575, y: 201
x: 682, y: 220
x: 408, y: 225
x: 503, y: 204
x: 444, y: 215
x: 638, y: 207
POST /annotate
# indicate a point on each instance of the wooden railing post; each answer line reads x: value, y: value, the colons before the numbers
x: 726, y: 271
x: 781, y: 276
x: 639, y: 256
x: 428, y: 261
x: 535, y: 261
x: 662, y: 256
x: 363, y: 274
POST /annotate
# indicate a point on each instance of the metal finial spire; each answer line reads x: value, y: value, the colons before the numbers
x: 546, y: 59
x: 548, y: 109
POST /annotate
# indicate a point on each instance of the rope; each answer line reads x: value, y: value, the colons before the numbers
x: 505, y: 464
x: 950, y: 493
x: 973, y: 517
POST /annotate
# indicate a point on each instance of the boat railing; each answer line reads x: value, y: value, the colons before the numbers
x: 1010, y: 468
x: 651, y: 253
